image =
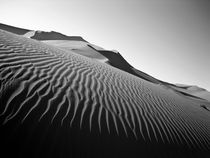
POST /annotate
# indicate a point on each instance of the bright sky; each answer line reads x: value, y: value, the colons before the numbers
x: 168, y: 39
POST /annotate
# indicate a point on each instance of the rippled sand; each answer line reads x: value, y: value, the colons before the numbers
x: 55, y: 103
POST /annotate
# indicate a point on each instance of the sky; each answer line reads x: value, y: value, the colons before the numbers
x: 167, y: 39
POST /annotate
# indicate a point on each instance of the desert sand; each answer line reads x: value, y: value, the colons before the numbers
x: 57, y: 103
x: 79, y: 47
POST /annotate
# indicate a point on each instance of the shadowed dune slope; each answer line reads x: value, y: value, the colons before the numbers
x: 55, y: 103
x: 116, y: 59
x: 13, y: 29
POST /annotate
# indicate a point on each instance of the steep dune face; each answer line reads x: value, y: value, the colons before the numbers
x: 55, y: 103
x: 15, y: 30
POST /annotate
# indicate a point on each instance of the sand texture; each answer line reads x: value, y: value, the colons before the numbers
x: 56, y: 103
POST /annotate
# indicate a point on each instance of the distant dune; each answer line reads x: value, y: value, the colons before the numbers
x: 13, y: 29
x: 193, y: 90
x: 41, y: 35
x: 57, y: 103
x: 79, y: 47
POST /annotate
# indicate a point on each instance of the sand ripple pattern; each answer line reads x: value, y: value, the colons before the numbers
x: 71, y: 89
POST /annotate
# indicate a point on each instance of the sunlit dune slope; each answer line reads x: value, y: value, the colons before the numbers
x: 41, y: 35
x: 79, y: 47
x: 194, y: 90
x: 55, y: 103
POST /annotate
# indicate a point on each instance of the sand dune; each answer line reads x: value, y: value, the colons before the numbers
x: 42, y: 35
x: 79, y: 47
x: 194, y: 90
x: 203, y: 94
x: 16, y: 30
x: 29, y: 34
x: 55, y: 103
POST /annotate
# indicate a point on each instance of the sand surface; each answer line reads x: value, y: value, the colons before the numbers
x: 79, y: 47
x: 29, y: 34
x: 194, y: 91
x: 55, y: 103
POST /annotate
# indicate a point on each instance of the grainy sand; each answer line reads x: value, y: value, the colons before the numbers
x: 55, y: 103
